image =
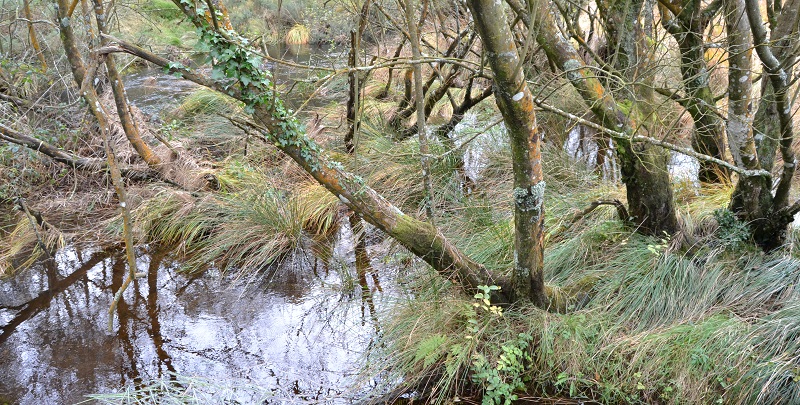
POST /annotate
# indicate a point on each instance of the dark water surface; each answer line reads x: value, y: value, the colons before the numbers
x: 299, y: 330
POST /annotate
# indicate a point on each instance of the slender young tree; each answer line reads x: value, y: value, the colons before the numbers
x: 419, y: 100
x: 26, y: 7
x: 129, y: 125
x: 515, y: 102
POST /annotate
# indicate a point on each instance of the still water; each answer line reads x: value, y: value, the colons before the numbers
x: 297, y: 331
x: 154, y: 92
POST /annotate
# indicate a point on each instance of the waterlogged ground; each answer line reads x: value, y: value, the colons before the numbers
x: 296, y: 332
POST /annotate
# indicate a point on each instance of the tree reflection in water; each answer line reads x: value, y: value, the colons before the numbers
x: 284, y: 333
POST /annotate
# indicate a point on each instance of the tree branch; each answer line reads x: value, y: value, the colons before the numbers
x: 86, y: 164
x: 641, y: 138
x: 282, y: 130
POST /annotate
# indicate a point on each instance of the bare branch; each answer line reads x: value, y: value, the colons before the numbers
x: 654, y: 141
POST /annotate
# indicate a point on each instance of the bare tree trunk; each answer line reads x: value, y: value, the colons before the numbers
x: 90, y: 96
x: 752, y: 198
x: 420, y: 102
x: 121, y: 98
x: 687, y: 26
x: 446, y: 81
x: 775, y: 60
x: 355, y: 79
x: 32, y: 34
x: 69, y: 41
x: 385, y: 92
x: 515, y: 102
x: 766, y: 215
x: 354, y: 91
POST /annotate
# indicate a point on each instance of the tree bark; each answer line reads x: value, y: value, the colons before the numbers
x: 687, y: 28
x: 515, y: 102
x: 69, y: 42
x: 643, y: 166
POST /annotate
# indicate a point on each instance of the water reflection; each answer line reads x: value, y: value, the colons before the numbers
x: 289, y: 331
x: 584, y: 145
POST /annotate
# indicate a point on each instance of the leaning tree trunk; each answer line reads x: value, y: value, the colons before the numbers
x: 515, y: 102
x: 121, y: 98
x: 279, y: 127
x: 69, y: 41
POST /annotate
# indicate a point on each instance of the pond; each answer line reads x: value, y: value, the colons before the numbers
x: 153, y: 91
x: 296, y: 333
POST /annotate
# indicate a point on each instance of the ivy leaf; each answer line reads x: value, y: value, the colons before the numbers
x: 217, y: 73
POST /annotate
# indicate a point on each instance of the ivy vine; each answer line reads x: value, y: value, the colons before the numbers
x: 238, y: 67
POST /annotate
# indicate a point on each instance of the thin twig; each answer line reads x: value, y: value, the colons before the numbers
x: 653, y: 141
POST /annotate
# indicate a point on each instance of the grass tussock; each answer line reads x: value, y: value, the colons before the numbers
x: 394, y: 168
x: 657, y: 327
x: 298, y: 35
x: 244, y: 227
x: 649, y: 320
x: 25, y: 244
x: 204, y: 102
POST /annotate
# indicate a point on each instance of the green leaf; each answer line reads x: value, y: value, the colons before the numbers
x: 430, y: 350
